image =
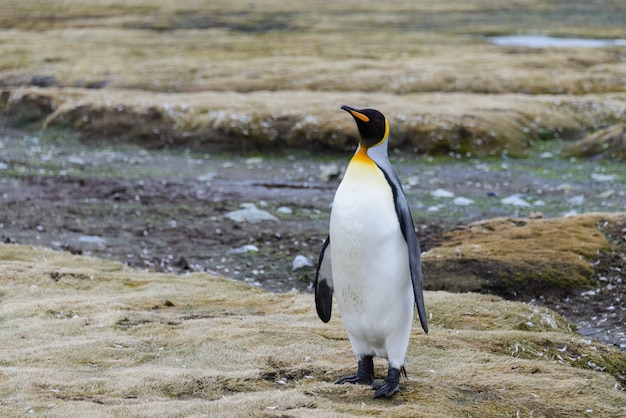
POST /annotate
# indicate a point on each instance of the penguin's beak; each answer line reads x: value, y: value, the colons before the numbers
x: 355, y: 113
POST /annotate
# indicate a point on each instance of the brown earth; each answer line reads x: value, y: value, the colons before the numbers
x: 165, y: 211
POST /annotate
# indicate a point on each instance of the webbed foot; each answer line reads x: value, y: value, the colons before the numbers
x: 364, y: 374
x: 391, y: 385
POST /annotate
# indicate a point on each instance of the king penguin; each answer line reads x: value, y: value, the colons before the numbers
x: 371, y: 259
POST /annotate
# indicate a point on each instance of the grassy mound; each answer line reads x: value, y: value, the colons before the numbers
x: 606, y: 143
x: 421, y: 123
x: 522, y: 258
x: 87, y: 337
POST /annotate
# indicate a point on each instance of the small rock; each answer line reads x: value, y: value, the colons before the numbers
x: 4, y: 166
x: 254, y: 160
x: 412, y: 181
x: 576, y: 200
x: 284, y: 210
x: 76, y: 161
x: 515, y: 200
x: 603, y: 195
x: 244, y: 249
x: 463, y: 201
x: 329, y: 172
x: 206, y: 177
x: 250, y: 213
x: 441, y: 193
x: 182, y: 263
x: 301, y: 261
x: 603, y: 177
x: 91, y: 239
x: 564, y: 187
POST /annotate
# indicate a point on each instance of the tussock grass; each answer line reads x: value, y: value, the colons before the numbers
x: 88, y: 337
x: 421, y: 123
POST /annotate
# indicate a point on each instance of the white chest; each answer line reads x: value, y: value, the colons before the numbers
x: 368, y: 252
x: 363, y: 212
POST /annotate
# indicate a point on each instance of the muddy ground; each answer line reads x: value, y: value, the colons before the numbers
x: 166, y: 210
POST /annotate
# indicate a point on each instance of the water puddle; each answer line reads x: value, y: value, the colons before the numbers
x: 538, y: 41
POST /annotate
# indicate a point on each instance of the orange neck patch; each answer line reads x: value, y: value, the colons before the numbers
x: 361, y: 157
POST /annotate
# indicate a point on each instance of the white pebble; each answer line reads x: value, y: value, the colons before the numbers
x: 441, y: 193
x: 244, y: 249
x: 515, y: 200
x: 301, y: 261
x: 576, y: 200
x: 603, y: 177
x: 284, y: 210
x: 250, y: 213
x: 463, y: 201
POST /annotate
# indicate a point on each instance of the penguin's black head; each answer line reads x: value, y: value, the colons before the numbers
x: 372, y: 125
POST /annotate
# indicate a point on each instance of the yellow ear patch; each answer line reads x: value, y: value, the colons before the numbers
x: 358, y: 115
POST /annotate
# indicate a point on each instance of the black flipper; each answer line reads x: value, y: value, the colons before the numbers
x: 408, y: 231
x: 364, y: 374
x: 391, y: 385
x: 324, y: 284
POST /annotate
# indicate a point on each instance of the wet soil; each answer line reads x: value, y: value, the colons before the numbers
x: 165, y: 210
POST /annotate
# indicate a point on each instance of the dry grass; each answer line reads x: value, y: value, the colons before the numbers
x: 291, y: 47
x: 399, y: 47
x: 87, y: 337
x: 392, y: 55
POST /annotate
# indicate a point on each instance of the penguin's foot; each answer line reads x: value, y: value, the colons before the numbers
x: 391, y: 385
x: 364, y: 374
